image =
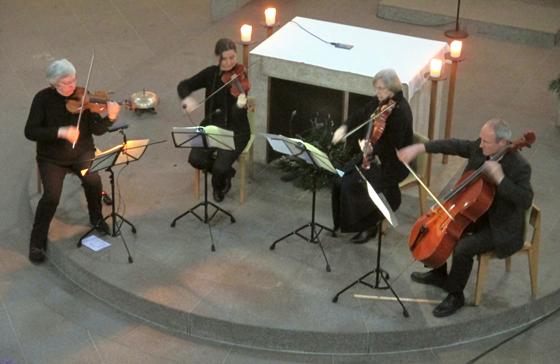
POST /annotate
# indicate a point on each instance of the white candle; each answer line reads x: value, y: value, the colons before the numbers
x: 270, y: 17
x: 456, y: 46
x: 435, y: 68
x: 246, y: 31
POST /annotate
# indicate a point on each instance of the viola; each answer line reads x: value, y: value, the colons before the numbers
x: 379, y: 121
x: 434, y: 235
x: 94, y: 101
x: 240, y: 81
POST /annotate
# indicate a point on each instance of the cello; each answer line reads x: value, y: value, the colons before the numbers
x: 434, y: 235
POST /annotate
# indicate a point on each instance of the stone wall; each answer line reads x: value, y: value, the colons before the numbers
x: 222, y: 8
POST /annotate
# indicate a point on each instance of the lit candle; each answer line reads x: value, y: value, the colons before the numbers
x: 246, y: 31
x: 456, y: 46
x: 435, y: 68
x: 270, y: 17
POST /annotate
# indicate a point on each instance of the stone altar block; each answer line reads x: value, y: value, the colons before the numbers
x: 293, y: 54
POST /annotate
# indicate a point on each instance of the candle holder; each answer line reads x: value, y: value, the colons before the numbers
x: 450, y: 98
x: 270, y: 21
x: 269, y: 28
x: 432, y: 115
x: 456, y: 33
x: 245, y: 46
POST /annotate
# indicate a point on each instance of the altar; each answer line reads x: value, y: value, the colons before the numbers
x: 299, y: 62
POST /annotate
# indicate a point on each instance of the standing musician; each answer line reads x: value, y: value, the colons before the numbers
x: 501, y: 228
x: 353, y: 210
x: 222, y: 109
x: 63, y: 148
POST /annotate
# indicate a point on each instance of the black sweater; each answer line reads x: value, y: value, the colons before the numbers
x: 48, y: 113
x: 397, y: 134
x: 513, y: 195
x: 220, y: 109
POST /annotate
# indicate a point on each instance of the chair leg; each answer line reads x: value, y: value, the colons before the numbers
x: 508, y: 264
x: 242, y: 177
x: 197, y: 183
x: 422, y: 197
x: 533, y: 271
x: 251, y: 159
x: 480, y: 278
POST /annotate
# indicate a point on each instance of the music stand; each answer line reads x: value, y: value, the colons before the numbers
x: 203, y: 137
x: 383, y: 206
x: 311, y: 155
x: 125, y: 153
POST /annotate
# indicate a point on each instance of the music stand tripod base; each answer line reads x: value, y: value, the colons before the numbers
x: 380, y: 275
x: 314, y: 233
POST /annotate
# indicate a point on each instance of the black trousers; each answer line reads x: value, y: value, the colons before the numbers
x: 466, y: 249
x: 52, y: 177
x: 216, y: 161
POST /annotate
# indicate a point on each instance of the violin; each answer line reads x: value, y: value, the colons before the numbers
x: 434, y: 235
x: 94, y: 101
x: 379, y: 118
x: 240, y: 84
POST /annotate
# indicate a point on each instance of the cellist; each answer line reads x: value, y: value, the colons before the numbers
x: 353, y: 210
x: 501, y: 228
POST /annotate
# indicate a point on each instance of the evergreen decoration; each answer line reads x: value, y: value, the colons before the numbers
x: 554, y: 86
x: 320, y: 135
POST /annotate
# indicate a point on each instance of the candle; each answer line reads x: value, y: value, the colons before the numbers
x: 435, y: 68
x: 456, y: 46
x: 246, y: 31
x: 270, y: 17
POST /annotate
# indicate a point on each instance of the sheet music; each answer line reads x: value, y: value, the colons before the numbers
x: 188, y: 136
x: 132, y: 151
x: 219, y: 138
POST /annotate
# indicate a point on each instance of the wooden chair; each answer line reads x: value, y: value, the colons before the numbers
x: 245, y: 159
x: 420, y: 167
x: 530, y: 247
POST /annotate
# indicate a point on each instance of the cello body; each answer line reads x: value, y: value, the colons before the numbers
x: 434, y: 235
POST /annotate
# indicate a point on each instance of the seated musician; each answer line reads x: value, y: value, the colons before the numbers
x: 352, y: 209
x: 500, y: 229
x: 223, y: 110
x: 55, y: 130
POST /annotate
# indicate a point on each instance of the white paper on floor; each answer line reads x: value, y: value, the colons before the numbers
x: 94, y: 243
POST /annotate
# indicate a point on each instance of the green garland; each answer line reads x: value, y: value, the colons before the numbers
x: 320, y: 135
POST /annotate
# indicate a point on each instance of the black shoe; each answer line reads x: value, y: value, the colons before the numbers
x: 101, y: 227
x: 227, y: 187
x: 218, y: 196
x: 36, y: 255
x: 364, y: 236
x: 430, y: 277
x: 449, y: 305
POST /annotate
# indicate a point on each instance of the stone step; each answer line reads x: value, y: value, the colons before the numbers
x: 528, y: 22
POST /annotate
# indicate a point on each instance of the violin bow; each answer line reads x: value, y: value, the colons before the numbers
x: 426, y: 188
x: 372, y: 117
x: 233, y: 78
x: 85, y: 93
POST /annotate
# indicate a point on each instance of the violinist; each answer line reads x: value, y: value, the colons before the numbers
x: 225, y: 109
x: 63, y: 148
x: 352, y: 209
x: 501, y: 228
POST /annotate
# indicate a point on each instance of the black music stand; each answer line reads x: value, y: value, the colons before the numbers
x: 201, y: 137
x: 380, y: 274
x: 311, y: 155
x: 129, y: 151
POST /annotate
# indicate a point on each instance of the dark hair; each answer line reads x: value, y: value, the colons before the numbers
x: 224, y: 44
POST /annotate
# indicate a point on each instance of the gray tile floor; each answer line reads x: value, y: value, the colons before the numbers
x: 45, y: 318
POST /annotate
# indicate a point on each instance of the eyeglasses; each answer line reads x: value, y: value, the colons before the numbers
x: 66, y: 83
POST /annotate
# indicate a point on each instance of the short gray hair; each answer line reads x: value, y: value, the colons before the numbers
x: 390, y: 79
x: 501, y: 129
x: 59, y: 69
